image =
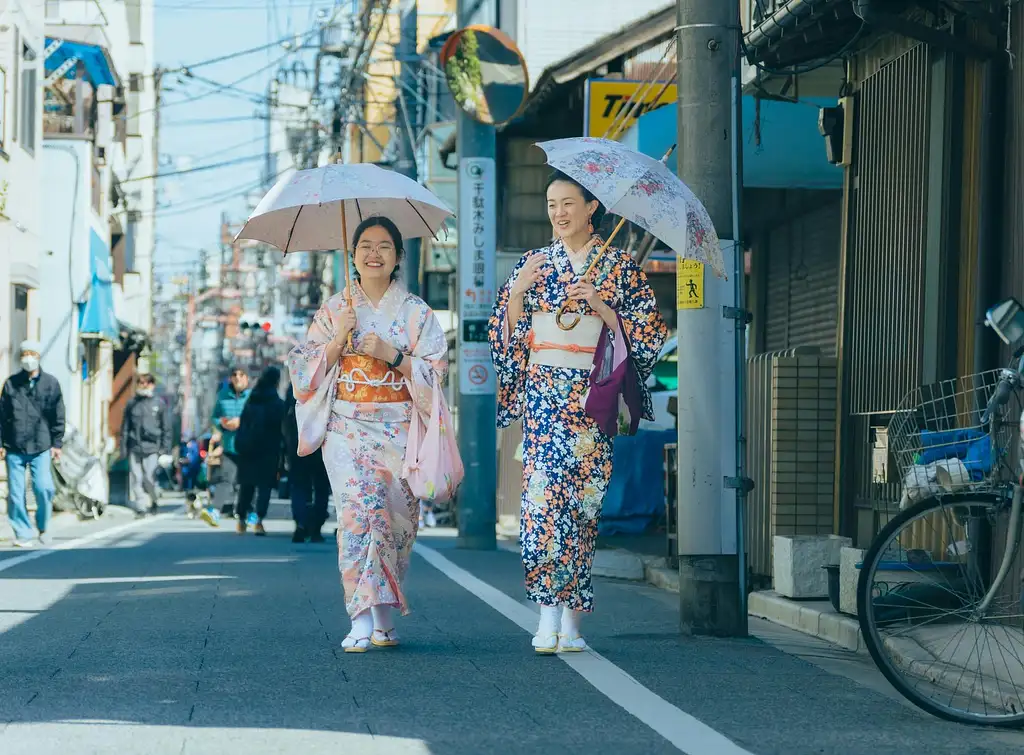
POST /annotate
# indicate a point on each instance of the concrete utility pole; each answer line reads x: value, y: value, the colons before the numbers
x: 408, y: 128
x: 477, y: 228
x: 712, y: 591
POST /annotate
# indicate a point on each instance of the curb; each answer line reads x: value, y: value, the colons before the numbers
x: 827, y: 625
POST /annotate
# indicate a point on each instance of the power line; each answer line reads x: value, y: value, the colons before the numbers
x: 214, y: 121
x: 212, y: 166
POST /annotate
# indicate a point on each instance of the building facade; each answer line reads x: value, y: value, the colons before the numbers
x: 22, y: 40
x: 99, y: 125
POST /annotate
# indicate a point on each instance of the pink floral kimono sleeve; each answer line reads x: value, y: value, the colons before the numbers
x: 429, y: 358
x: 313, y: 383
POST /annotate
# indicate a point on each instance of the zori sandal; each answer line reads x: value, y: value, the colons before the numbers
x: 355, y: 644
x: 384, y: 638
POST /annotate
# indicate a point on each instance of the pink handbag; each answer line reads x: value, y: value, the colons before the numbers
x: 433, y: 468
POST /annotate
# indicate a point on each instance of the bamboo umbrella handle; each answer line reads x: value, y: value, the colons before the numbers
x: 348, y: 271
x: 586, y: 274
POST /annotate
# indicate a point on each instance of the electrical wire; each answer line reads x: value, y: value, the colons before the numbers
x: 200, y: 168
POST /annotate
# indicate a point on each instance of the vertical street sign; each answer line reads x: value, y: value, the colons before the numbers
x: 477, y: 238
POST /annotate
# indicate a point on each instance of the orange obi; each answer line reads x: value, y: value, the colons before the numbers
x: 368, y: 380
x: 554, y: 347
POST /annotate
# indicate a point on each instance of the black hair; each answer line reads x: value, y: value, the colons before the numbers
x: 396, y: 239
x: 598, y: 217
x: 269, y: 380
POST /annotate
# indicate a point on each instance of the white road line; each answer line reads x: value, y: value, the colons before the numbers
x: 10, y: 563
x: 684, y: 731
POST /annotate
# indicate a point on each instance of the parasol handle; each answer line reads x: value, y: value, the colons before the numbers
x: 601, y: 251
x: 348, y: 271
x: 561, y: 310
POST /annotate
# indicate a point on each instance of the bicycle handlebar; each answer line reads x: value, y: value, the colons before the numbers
x: 1003, y: 392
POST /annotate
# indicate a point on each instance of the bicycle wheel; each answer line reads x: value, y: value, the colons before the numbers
x: 920, y: 584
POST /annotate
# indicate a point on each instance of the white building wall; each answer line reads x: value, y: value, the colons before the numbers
x: 547, y: 31
x: 65, y: 271
x: 140, y: 160
x: 21, y: 242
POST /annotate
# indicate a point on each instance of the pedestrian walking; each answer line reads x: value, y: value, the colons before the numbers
x: 31, y: 434
x: 227, y: 411
x: 357, y: 402
x: 145, y: 437
x: 307, y: 478
x: 544, y: 373
x: 258, y: 446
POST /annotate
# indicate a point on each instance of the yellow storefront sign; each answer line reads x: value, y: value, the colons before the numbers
x: 607, y: 98
x: 689, y: 285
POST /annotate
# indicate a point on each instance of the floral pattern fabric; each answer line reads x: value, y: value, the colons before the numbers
x: 364, y: 443
x: 567, y: 460
x: 642, y: 190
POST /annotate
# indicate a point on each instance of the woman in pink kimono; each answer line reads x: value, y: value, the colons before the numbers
x: 356, y: 398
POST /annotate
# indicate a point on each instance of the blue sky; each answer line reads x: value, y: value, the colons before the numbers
x: 189, y: 31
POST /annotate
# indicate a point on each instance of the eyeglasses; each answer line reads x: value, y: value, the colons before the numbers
x: 382, y: 247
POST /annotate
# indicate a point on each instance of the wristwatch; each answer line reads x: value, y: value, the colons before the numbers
x: 398, y: 360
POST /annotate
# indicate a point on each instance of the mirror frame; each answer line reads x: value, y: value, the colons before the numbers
x: 994, y: 326
x: 448, y: 50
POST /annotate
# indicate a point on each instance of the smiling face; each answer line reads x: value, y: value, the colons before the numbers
x: 568, y: 212
x: 376, y: 255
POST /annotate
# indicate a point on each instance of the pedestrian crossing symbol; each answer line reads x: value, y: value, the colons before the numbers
x: 689, y: 285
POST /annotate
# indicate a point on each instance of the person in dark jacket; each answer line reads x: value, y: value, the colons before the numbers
x: 31, y: 432
x: 145, y: 435
x: 307, y: 476
x: 258, y: 445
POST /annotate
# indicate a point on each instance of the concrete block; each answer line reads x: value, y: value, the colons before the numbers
x: 798, y: 562
x: 848, y: 576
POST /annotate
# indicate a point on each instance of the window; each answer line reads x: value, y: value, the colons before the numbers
x: 28, y: 99
x: 15, y: 89
x: 3, y: 109
x: 52, y: 9
x: 134, y: 8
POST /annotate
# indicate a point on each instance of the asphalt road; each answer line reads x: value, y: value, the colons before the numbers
x: 167, y: 636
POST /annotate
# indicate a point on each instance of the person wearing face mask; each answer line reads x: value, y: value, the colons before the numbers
x: 31, y: 433
x: 355, y: 399
x: 543, y: 373
x: 227, y: 414
x: 145, y: 435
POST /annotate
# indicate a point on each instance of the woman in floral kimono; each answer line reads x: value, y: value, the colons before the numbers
x: 357, y: 402
x: 543, y: 372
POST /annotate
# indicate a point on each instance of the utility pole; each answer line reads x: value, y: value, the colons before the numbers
x: 408, y: 57
x: 477, y: 186
x: 710, y: 483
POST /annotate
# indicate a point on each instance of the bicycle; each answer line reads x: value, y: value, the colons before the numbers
x: 928, y: 602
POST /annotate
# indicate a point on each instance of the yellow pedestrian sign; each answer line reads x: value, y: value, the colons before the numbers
x: 689, y: 285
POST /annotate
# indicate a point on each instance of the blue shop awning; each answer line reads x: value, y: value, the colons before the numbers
x: 98, y: 68
x: 97, y: 318
x: 790, y: 153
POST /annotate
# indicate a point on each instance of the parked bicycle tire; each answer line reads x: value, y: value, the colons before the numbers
x: 870, y: 609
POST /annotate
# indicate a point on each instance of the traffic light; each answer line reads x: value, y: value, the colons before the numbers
x: 253, y: 326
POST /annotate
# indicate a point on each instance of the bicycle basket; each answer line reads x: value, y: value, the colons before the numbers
x: 938, y: 443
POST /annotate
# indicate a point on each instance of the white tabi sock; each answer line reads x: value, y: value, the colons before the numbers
x: 570, y: 622
x: 362, y: 626
x: 548, y: 621
x: 382, y: 618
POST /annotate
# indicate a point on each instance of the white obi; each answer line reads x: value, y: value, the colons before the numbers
x: 572, y: 349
